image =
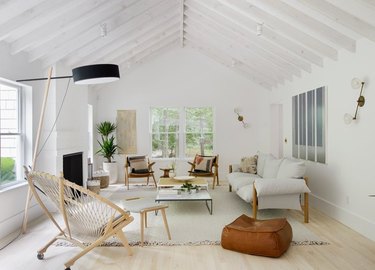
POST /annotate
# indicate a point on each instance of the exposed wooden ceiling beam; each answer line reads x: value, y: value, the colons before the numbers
x: 340, y: 16
x: 57, y: 25
x: 262, y: 44
x: 76, y: 28
x: 182, y: 23
x: 148, y: 55
x: 239, y: 39
x: 14, y: 8
x: 221, y: 58
x: 17, y: 22
x: 296, y: 17
x: 122, y: 36
x: 250, y: 25
x: 130, y: 45
x: 280, y: 26
x: 220, y: 44
x: 92, y: 34
x: 155, y: 42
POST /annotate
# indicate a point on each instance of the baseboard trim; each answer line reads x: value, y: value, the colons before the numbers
x: 358, y: 223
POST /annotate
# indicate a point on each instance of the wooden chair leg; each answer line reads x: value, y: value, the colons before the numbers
x: 145, y: 213
x: 148, y: 177
x: 255, y: 202
x: 213, y: 182
x: 126, y: 181
x: 120, y: 235
x: 153, y: 177
x: 166, y: 223
x: 142, y: 227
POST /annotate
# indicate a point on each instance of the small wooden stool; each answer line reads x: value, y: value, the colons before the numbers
x: 143, y: 206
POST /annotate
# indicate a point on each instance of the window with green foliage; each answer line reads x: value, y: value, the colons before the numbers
x: 181, y: 132
x: 10, y: 134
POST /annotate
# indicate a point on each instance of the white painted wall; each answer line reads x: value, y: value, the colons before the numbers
x: 341, y: 187
x: 69, y: 135
x: 184, y: 77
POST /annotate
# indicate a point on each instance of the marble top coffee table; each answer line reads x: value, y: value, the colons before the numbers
x: 170, y: 190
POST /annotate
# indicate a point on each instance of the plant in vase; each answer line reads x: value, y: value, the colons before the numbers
x: 108, y: 148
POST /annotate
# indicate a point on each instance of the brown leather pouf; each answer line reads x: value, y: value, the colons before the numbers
x: 269, y: 238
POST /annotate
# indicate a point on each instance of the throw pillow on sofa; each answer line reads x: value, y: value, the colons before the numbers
x: 271, y: 167
x: 249, y: 164
x: 262, y: 157
x: 291, y: 169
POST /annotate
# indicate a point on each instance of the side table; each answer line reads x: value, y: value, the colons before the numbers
x: 166, y: 172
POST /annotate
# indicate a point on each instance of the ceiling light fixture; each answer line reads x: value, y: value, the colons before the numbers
x: 259, y: 29
x: 103, y: 30
x: 240, y: 118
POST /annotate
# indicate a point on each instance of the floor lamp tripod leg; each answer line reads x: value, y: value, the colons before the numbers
x: 41, y: 119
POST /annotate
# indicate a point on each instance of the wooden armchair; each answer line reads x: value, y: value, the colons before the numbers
x: 87, y: 217
x: 205, y: 166
x: 138, y: 167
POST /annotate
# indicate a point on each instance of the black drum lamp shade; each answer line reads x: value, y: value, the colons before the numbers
x: 96, y: 74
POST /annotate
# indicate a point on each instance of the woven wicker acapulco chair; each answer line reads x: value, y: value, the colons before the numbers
x: 88, y: 217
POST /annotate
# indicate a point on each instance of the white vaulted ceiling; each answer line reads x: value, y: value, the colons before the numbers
x: 268, y: 41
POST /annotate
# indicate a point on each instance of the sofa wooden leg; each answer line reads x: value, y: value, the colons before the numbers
x: 306, y: 208
x: 230, y: 188
x: 255, y: 202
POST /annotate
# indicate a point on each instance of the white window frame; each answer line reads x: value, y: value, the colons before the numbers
x: 181, y: 131
x: 21, y: 133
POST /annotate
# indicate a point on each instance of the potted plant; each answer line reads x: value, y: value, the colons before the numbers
x: 108, y: 148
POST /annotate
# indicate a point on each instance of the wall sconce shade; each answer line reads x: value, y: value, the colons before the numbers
x: 356, y: 83
x: 96, y: 74
x: 240, y: 118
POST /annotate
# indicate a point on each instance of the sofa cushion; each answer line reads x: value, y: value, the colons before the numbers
x: 249, y: 164
x: 266, y: 187
x: 240, y: 179
x: 262, y: 157
x: 291, y: 169
x: 246, y: 193
x: 271, y: 167
x: 203, y: 163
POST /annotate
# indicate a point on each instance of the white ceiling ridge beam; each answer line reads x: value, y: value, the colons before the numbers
x: 12, y: 9
x: 250, y: 25
x: 91, y: 35
x: 264, y: 44
x: 128, y: 39
x: 148, y: 55
x: 218, y: 58
x: 245, y: 55
x: 91, y: 24
x: 342, y: 17
x: 182, y: 23
x: 264, y: 76
x: 23, y: 19
x: 297, y: 17
x: 55, y: 27
x: 42, y: 20
x: 235, y: 36
x: 161, y: 40
x: 269, y: 21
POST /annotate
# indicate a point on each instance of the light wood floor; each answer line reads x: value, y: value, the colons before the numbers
x: 348, y: 250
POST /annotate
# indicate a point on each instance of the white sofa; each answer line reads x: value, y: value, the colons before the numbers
x: 278, y: 183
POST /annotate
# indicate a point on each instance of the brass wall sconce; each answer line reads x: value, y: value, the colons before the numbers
x: 356, y: 83
x: 240, y: 118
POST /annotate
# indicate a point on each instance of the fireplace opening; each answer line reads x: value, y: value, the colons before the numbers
x: 73, y: 167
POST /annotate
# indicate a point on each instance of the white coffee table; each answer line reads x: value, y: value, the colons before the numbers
x: 169, y: 190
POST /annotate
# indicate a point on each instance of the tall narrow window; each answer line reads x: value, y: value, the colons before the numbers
x: 181, y: 132
x: 199, y: 131
x: 165, y: 127
x: 308, y: 123
x: 11, y: 141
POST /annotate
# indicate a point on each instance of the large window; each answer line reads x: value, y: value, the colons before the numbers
x: 181, y: 132
x: 11, y: 146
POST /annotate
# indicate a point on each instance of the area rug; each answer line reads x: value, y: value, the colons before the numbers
x: 190, y: 222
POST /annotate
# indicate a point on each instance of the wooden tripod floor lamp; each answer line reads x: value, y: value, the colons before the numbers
x: 84, y: 75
